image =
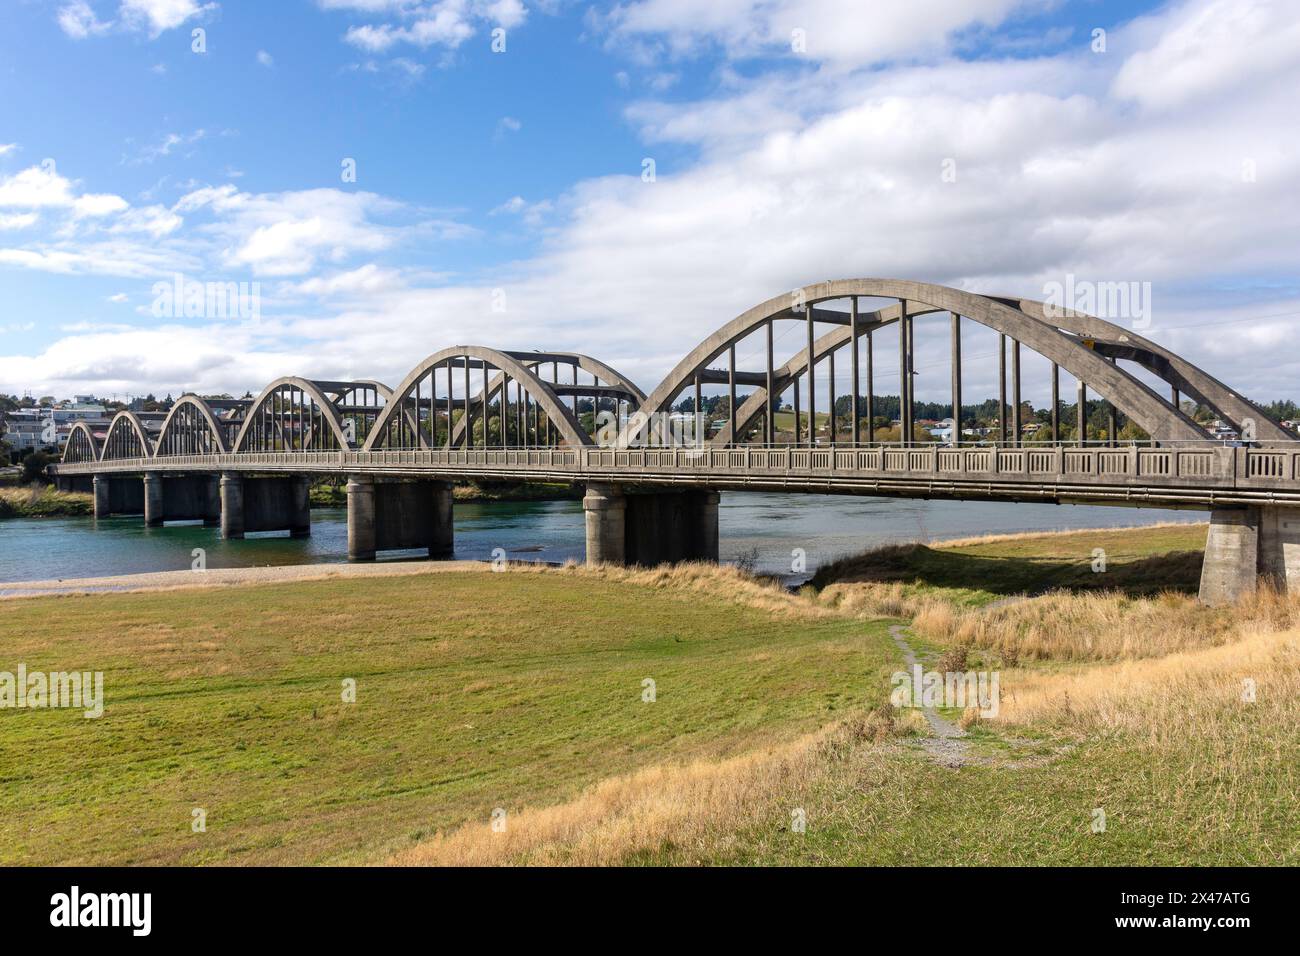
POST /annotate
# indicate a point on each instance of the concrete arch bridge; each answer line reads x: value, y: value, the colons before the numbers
x: 781, y: 421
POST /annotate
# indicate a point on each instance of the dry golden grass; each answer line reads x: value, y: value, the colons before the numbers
x: 1101, y: 625
x: 43, y: 501
x: 1161, y: 697
x: 686, y: 805
x: 718, y: 583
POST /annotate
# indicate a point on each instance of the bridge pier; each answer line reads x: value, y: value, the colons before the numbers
x: 650, y: 528
x: 118, y: 496
x: 232, y: 505
x: 181, y: 498
x: 265, y: 504
x: 399, y: 516
x: 1245, y: 546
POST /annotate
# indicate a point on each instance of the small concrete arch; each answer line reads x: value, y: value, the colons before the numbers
x: 191, y: 428
x: 610, y: 383
x: 313, y: 419
x: 127, y: 437
x: 472, y: 356
x: 82, y: 446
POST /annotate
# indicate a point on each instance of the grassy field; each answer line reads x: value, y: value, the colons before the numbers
x: 524, y: 691
x: 474, y: 691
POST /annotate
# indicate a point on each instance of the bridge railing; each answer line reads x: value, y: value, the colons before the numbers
x: 1192, y: 465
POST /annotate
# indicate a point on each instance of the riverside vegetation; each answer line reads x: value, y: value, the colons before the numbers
x: 520, y: 699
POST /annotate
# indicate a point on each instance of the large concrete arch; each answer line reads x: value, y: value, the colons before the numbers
x: 82, y: 445
x: 130, y: 422
x: 313, y: 390
x: 610, y: 377
x: 1108, y: 339
x: 1115, y: 341
x: 1155, y: 415
x: 563, y: 419
x: 206, y: 417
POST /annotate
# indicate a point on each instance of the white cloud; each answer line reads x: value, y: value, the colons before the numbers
x: 18, y: 220
x: 78, y: 20
x: 158, y: 16
x: 167, y: 145
x: 119, y: 297
x: 36, y: 187
x: 841, y: 31
x: 6, y: 148
x: 1215, y: 48
x: 445, y: 23
x: 826, y: 174
x: 265, y: 58
x: 98, y: 204
x: 367, y: 279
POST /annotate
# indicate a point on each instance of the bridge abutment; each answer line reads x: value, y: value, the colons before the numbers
x: 399, y: 516
x: 650, y: 528
x: 118, y: 496
x: 265, y: 504
x: 83, y: 484
x: 1245, y: 546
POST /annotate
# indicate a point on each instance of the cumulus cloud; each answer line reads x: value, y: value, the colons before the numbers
x: 158, y: 16
x: 445, y: 23
x: 837, y: 31
x: 79, y: 19
x: 831, y: 173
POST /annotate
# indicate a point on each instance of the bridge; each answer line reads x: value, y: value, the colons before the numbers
x: 651, y: 492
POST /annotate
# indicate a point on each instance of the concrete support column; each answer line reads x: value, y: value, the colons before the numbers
x: 605, y: 509
x: 442, y: 542
x: 704, y: 525
x: 212, y: 502
x: 154, y: 503
x: 232, y: 505
x: 361, y: 518
x: 1279, y: 548
x: 103, y: 497
x: 300, y: 507
x: 1230, y: 569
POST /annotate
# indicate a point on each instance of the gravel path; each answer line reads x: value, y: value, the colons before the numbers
x: 229, y: 577
x: 945, y: 742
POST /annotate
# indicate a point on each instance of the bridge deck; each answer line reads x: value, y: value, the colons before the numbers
x: 1196, y: 476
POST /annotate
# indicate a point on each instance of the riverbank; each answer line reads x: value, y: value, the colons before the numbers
x: 680, y: 715
x: 44, y: 501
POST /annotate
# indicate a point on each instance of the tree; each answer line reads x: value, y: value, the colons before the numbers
x: 34, y: 466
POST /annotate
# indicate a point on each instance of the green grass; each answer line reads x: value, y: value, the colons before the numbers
x: 479, y: 690
x: 1137, y: 562
x: 892, y: 805
x: 475, y: 690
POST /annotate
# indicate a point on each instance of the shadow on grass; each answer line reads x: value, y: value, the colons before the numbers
x: 954, y: 568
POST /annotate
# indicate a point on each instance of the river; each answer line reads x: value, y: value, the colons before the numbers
x: 765, y: 527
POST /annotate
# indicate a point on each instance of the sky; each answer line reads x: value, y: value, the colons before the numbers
x: 398, y: 176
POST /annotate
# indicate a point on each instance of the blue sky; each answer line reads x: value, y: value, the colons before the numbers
x: 520, y: 171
